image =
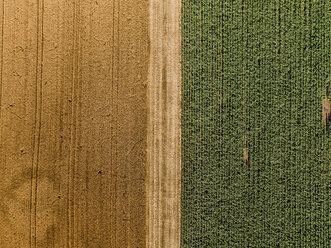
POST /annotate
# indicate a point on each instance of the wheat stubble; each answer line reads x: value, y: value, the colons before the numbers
x: 73, y: 123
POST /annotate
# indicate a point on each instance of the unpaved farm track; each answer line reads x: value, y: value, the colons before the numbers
x: 164, y: 170
x: 73, y: 148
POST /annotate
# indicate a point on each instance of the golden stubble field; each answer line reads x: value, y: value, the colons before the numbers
x: 73, y: 123
x: 90, y: 123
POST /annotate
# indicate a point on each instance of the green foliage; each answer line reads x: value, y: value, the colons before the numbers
x: 255, y: 71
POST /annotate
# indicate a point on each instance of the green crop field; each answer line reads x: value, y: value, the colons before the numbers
x: 255, y: 73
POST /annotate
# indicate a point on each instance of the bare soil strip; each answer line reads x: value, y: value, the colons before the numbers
x: 163, y: 188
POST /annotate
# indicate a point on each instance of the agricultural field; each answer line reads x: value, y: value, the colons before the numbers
x: 73, y: 123
x: 165, y: 124
x: 255, y: 145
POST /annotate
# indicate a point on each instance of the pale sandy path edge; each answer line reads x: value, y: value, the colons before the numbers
x: 164, y: 167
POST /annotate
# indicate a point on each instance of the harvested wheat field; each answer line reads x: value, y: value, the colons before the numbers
x: 165, y: 124
x: 75, y: 80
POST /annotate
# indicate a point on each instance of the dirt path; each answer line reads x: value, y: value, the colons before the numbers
x: 73, y: 123
x: 164, y: 126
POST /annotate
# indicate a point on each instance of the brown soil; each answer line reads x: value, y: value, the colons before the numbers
x: 326, y: 111
x: 73, y: 123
